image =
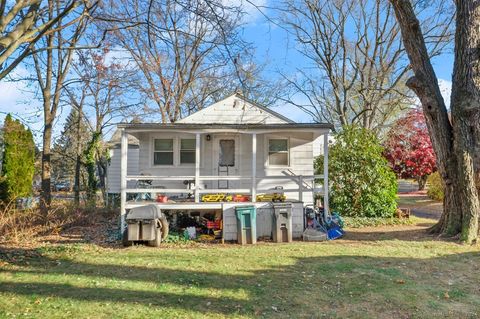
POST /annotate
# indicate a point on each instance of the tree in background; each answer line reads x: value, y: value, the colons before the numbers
x: 18, y: 164
x: 356, y: 65
x: 24, y: 23
x: 455, y: 136
x: 362, y: 183
x: 101, y: 97
x: 68, y: 161
x: 184, y: 55
x: 409, y: 150
x: 52, y: 61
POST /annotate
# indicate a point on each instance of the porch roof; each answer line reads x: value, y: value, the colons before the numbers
x: 219, y: 126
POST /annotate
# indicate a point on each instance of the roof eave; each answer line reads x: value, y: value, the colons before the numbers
x: 193, y: 126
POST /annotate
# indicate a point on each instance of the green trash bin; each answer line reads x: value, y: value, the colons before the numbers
x: 246, y: 224
x: 282, y: 222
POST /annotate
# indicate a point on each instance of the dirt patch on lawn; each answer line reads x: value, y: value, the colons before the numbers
x: 415, y: 232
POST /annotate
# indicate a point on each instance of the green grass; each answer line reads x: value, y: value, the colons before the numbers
x: 357, y: 277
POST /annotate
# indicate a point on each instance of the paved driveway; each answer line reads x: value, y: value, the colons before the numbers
x: 418, y: 201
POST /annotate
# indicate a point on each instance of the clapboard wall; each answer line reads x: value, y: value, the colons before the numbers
x: 113, y: 168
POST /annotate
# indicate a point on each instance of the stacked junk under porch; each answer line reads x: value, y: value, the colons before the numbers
x: 244, y: 223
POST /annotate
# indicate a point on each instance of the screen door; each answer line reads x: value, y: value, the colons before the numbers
x: 226, y: 160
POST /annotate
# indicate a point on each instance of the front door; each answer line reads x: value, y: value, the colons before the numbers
x: 225, y: 160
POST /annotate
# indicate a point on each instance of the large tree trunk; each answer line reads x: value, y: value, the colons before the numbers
x: 466, y: 110
x: 453, y: 142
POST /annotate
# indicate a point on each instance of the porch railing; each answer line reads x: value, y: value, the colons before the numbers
x: 306, y: 183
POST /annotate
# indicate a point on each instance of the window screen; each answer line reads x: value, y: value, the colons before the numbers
x: 163, y: 152
x: 278, y: 152
x: 227, y: 153
x: 187, y: 151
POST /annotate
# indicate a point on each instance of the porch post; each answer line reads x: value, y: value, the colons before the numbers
x: 123, y: 179
x: 197, y: 167
x: 254, y: 167
x: 325, y: 173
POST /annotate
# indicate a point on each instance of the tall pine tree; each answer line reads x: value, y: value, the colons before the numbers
x: 18, y: 164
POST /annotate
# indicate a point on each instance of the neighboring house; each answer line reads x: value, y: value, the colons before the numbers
x: 113, y: 168
x: 233, y: 146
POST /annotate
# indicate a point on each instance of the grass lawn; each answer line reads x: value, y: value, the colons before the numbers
x: 389, y: 272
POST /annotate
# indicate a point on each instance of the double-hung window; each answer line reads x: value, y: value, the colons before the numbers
x: 278, y: 152
x: 163, y: 152
x: 187, y: 151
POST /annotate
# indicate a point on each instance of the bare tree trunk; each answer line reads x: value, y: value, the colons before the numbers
x: 76, y: 187
x: 46, y: 195
x: 453, y: 142
x: 102, y: 176
x: 422, y: 182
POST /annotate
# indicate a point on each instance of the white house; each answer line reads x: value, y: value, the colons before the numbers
x: 233, y: 146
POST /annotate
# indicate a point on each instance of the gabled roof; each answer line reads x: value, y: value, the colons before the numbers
x: 116, y: 139
x: 235, y: 109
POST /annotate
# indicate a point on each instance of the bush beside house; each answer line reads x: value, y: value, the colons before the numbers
x: 362, y: 183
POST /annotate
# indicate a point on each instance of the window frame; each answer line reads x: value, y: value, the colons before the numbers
x: 176, y: 150
x: 187, y: 150
x: 155, y: 151
x: 267, y: 151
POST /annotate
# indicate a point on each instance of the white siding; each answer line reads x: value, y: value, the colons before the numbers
x: 233, y: 110
x: 113, y: 169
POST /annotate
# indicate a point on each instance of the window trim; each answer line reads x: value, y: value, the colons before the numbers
x: 267, y: 151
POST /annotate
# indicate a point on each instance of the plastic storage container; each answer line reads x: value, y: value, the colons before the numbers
x: 246, y: 224
x: 282, y: 222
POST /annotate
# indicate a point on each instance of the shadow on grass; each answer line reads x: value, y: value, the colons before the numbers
x: 311, y: 287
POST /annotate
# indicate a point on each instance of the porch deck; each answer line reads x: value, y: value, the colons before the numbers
x: 199, y: 206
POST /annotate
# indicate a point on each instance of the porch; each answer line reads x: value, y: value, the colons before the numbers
x: 250, y: 177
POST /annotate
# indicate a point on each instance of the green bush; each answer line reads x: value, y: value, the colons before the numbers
x: 18, y: 161
x: 435, y: 187
x: 362, y: 183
